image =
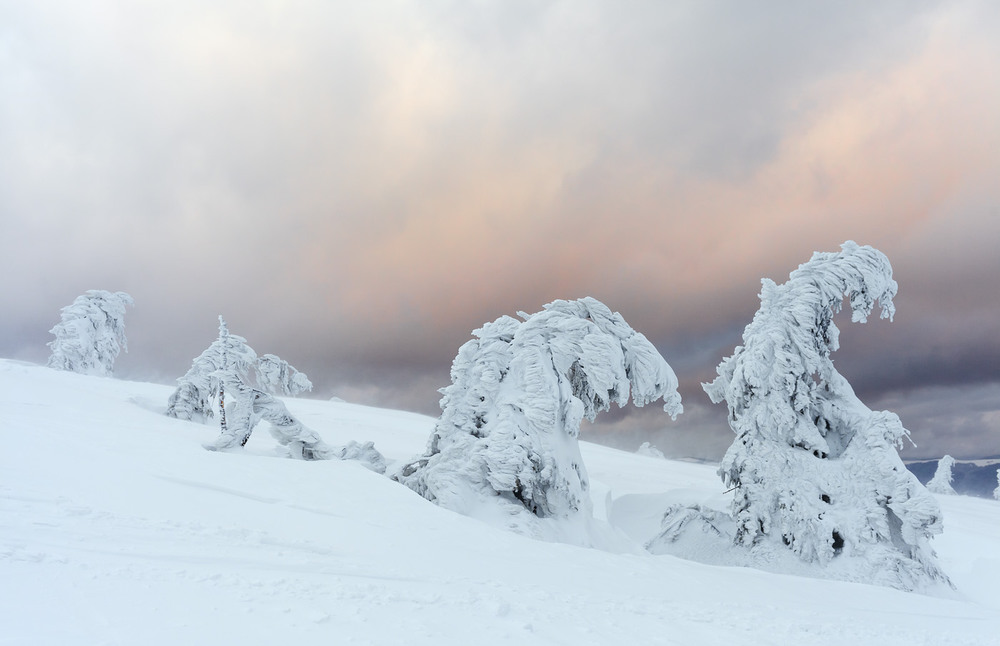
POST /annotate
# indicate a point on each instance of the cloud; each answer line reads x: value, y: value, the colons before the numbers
x: 358, y: 186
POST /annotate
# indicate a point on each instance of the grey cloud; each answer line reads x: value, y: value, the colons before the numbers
x: 357, y: 187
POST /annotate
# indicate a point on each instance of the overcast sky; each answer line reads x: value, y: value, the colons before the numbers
x: 357, y: 186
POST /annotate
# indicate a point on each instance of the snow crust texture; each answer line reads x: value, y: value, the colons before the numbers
x: 91, y: 333
x: 814, y: 470
x: 507, y: 442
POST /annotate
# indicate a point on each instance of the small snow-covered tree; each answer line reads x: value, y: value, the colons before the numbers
x: 996, y: 492
x: 813, y: 468
x: 198, y: 390
x: 250, y: 406
x: 275, y: 375
x: 941, y: 482
x: 91, y: 333
x: 649, y: 450
x: 508, y: 431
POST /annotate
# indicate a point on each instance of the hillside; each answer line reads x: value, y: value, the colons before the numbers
x: 116, y: 527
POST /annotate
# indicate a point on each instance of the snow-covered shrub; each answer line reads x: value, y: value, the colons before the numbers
x: 648, y: 449
x: 275, y: 375
x: 197, y: 391
x: 91, y: 333
x: 507, y: 436
x: 814, y: 470
x: 941, y: 482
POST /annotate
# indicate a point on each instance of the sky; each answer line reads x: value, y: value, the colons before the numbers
x: 356, y: 187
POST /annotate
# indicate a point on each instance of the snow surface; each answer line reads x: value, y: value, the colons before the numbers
x: 116, y: 527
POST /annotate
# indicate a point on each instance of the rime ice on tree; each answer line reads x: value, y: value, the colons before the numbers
x: 219, y: 378
x: 198, y: 390
x: 996, y: 492
x: 91, y: 333
x: 275, y: 375
x: 941, y: 482
x: 813, y: 468
x: 507, y: 436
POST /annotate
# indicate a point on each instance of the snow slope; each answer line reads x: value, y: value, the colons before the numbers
x: 116, y: 527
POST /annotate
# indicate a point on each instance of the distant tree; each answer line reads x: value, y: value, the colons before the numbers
x: 813, y: 468
x: 275, y: 375
x: 996, y: 492
x: 91, y: 333
x: 941, y: 482
x: 649, y: 450
x: 510, y: 419
x: 198, y: 391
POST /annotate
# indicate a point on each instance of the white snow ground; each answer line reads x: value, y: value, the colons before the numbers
x: 116, y: 527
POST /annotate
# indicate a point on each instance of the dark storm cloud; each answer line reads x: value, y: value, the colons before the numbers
x: 357, y: 186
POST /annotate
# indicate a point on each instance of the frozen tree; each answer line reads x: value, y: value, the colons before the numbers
x: 198, y: 391
x: 250, y: 406
x: 941, y: 482
x: 649, y: 450
x: 275, y: 375
x: 91, y: 333
x: 508, y: 431
x: 814, y: 470
x: 996, y: 492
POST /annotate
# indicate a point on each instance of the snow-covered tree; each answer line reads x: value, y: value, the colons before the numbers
x: 91, y: 333
x: 507, y: 436
x: 275, y: 375
x: 649, y: 450
x: 941, y: 482
x: 996, y: 492
x: 250, y: 406
x: 813, y: 468
x: 198, y: 390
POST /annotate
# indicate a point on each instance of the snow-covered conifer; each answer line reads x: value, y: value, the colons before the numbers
x: 198, y: 390
x: 996, y: 492
x: 91, y: 333
x: 251, y: 405
x: 813, y: 468
x: 508, y: 431
x: 275, y: 375
x: 941, y: 482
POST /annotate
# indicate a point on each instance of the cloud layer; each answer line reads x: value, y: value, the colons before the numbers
x: 357, y: 186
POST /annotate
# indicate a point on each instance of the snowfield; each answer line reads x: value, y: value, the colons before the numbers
x: 117, y: 527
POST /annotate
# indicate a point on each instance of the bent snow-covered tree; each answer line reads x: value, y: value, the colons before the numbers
x: 251, y: 405
x: 197, y: 393
x: 813, y: 468
x: 91, y: 333
x: 275, y: 375
x: 941, y: 482
x: 198, y: 390
x: 511, y: 417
